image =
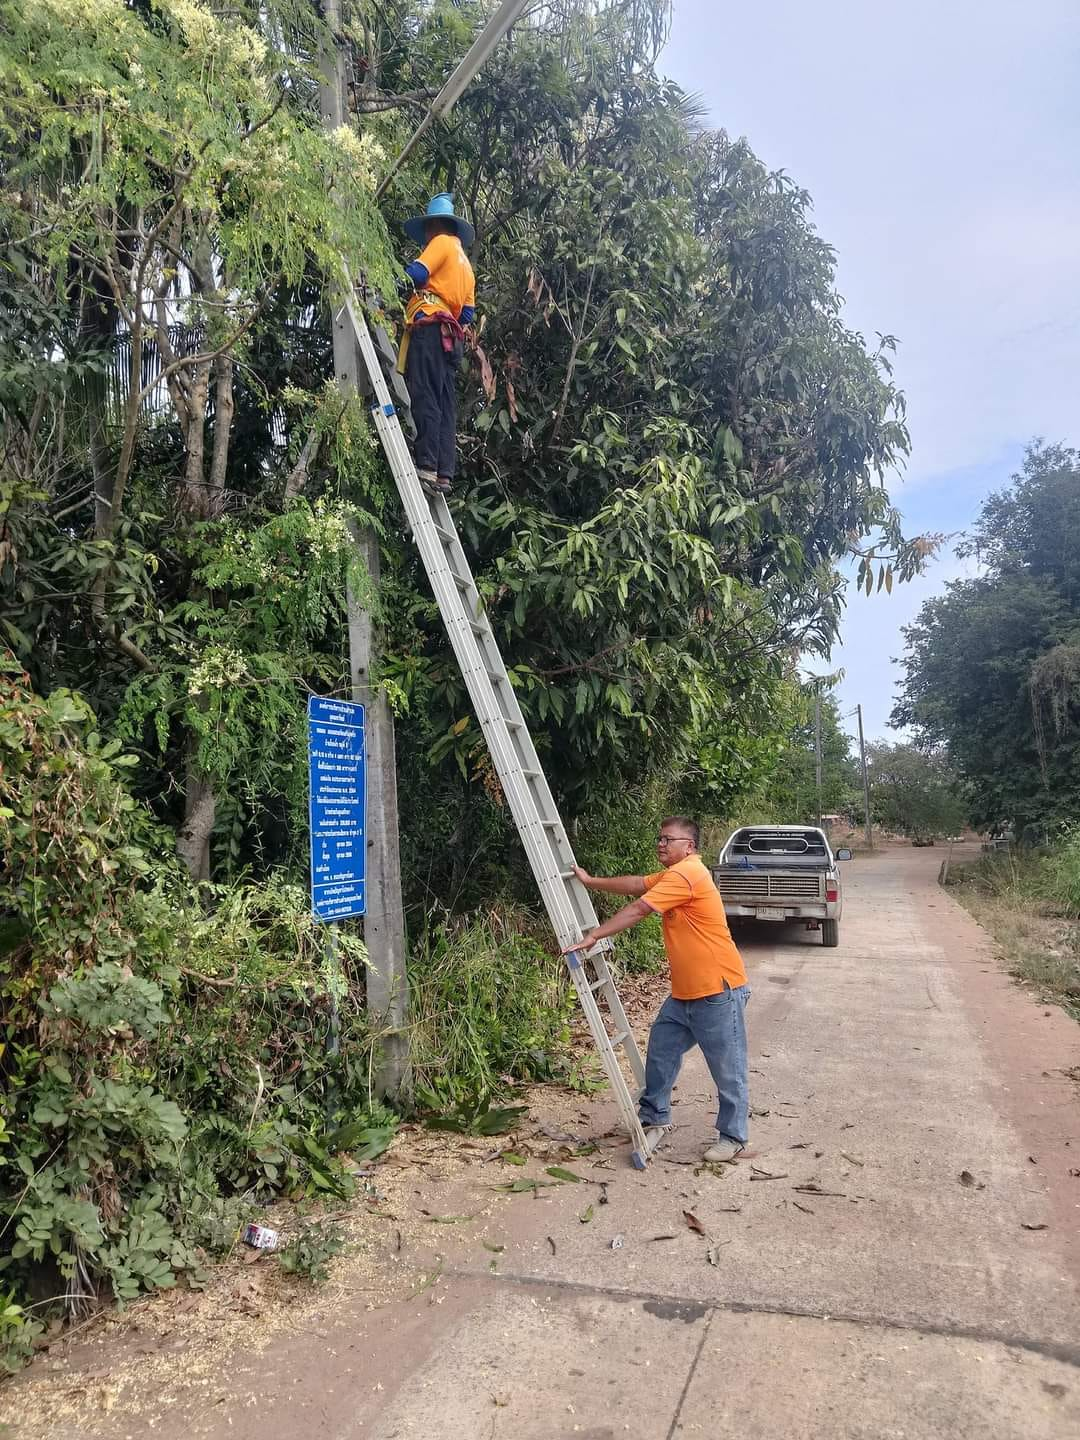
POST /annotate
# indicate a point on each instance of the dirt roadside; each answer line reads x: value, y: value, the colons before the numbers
x: 900, y: 1255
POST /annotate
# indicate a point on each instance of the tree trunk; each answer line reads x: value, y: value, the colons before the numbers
x: 200, y: 807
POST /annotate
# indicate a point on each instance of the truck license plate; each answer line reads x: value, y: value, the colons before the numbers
x: 770, y: 912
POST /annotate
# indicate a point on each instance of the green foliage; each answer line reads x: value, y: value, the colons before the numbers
x: 790, y: 794
x: 308, y: 1254
x: 991, y: 667
x: 914, y: 792
x: 166, y: 1064
x: 18, y: 1331
x: 488, y: 1001
x: 475, y: 1115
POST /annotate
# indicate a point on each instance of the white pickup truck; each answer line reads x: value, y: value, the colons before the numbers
x: 782, y: 873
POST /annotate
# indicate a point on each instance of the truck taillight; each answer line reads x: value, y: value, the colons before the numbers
x: 832, y: 894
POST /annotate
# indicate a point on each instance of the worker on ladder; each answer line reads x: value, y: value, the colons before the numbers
x: 441, y: 302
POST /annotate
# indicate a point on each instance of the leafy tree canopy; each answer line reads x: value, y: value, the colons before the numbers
x: 992, y: 667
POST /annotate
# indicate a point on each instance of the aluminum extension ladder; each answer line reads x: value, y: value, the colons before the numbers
x: 568, y: 904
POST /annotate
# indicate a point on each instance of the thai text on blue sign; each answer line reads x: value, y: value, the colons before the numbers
x: 337, y: 807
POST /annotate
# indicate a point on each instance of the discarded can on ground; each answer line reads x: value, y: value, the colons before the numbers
x: 259, y: 1237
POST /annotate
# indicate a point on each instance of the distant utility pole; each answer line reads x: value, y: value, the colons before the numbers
x: 865, y: 782
x: 384, y: 920
x: 817, y: 750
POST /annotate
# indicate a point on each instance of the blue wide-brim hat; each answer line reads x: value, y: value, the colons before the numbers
x: 440, y: 207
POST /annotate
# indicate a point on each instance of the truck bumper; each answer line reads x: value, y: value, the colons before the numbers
x: 781, y: 913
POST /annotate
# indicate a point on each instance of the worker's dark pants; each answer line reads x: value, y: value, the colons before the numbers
x: 432, y: 382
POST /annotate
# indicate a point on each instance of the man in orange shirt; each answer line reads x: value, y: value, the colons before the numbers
x: 709, y: 990
x: 442, y: 303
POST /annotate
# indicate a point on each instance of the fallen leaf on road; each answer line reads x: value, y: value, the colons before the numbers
x: 518, y: 1187
x: 558, y: 1173
x: 512, y: 1158
x: 802, y: 1145
x: 586, y: 1215
x: 446, y: 1219
x: 967, y: 1179
x: 1025, y: 1226
x: 756, y: 1174
x: 812, y: 1188
x: 603, y: 1193
x: 661, y: 1237
x: 693, y: 1222
x: 850, y: 1159
x: 804, y: 1208
x: 551, y: 1242
x: 495, y: 1249
x: 712, y: 1255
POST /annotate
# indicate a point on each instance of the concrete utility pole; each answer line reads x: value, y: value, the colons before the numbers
x: 817, y: 751
x: 384, y: 921
x: 865, y: 781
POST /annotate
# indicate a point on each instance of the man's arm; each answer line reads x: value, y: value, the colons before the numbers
x: 621, y: 920
x: 613, y: 884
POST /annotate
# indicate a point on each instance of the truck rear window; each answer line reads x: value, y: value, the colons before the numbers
x: 778, y: 842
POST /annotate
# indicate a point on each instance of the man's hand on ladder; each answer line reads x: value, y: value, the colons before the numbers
x: 587, y: 941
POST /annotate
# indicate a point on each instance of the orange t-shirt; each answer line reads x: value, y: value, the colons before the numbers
x: 700, y: 950
x: 450, y: 277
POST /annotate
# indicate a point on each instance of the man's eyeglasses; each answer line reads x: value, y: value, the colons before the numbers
x: 673, y: 839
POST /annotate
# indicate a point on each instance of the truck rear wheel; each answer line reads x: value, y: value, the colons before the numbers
x: 830, y: 933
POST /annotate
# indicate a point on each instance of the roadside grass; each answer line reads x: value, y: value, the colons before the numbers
x: 1030, y: 904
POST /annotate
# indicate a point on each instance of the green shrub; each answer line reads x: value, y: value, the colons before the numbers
x: 1061, y: 871
x: 490, y: 1002
x: 309, y: 1253
x: 169, y: 1057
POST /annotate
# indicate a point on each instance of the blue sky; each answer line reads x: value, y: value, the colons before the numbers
x: 941, y: 145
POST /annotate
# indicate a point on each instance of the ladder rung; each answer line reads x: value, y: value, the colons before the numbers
x: 494, y: 676
x: 595, y: 985
x: 550, y: 824
x: 460, y: 581
x: 447, y: 536
x: 535, y: 775
x: 619, y: 1038
x: 478, y: 627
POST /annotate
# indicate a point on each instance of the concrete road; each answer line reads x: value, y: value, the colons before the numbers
x: 899, y: 1257
x: 923, y: 1094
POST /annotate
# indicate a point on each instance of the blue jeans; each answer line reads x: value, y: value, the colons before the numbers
x: 718, y: 1024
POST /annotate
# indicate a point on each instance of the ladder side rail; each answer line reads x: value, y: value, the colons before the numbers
x: 492, y: 714
x: 496, y: 703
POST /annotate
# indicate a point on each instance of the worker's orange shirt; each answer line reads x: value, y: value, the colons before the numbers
x: 450, y: 278
x: 700, y: 950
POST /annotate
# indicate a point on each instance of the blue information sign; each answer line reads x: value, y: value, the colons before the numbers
x: 337, y: 807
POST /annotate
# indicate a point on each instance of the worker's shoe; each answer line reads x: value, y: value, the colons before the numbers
x: 443, y: 485
x: 722, y: 1151
x: 430, y: 481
